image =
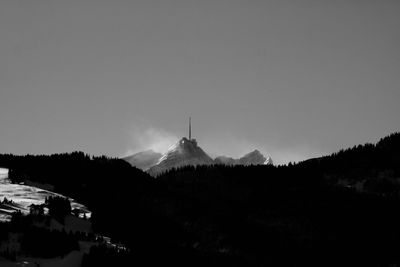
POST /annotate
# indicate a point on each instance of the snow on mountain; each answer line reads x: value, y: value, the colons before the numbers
x: 253, y: 158
x: 187, y: 152
x: 269, y: 161
x: 184, y: 152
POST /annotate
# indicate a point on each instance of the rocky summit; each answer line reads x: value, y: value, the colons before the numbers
x: 187, y: 152
x: 184, y: 152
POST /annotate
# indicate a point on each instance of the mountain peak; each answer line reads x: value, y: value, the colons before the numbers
x: 187, y: 152
x: 253, y: 158
x: 184, y: 152
x: 254, y: 152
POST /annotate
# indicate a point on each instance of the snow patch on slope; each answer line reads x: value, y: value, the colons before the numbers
x: 23, y: 196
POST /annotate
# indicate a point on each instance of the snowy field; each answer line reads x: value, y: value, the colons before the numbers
x: 23, y: 196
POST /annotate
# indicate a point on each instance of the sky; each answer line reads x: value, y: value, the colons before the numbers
x: 295, y: 79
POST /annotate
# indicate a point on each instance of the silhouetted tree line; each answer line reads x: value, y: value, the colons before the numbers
x: 375, y: 165
x: 235, y: 215
x: 31, y: 235
x: 77, y: 175
x: 40, y: 242
x: 363, y: 159
x: 59, y: 207
x: 36, y: 241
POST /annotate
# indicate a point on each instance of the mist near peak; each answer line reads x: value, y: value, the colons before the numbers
x: 143, y: 138
x: 231, y: 145
x: 150, y: 138
x: 228, y: 145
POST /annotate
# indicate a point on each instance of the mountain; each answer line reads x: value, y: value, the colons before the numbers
x: 144, y: 160
x: 253, y: 158
x: 269, y: 161
x: 184, y: 152
x: 187, y: 152
x: 231, y: 215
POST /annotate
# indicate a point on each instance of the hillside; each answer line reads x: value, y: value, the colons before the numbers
x: 264, y: 215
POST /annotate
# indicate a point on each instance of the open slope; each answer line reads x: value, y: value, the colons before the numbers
x: 22, y: 196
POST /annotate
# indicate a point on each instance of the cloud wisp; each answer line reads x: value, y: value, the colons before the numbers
x: 150, y: 138
x: 144, y: 137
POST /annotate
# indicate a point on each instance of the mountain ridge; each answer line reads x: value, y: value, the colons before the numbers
x: 184, y: 152
x: 187, y: 152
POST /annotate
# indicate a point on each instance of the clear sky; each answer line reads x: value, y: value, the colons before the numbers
x: 295, y: 79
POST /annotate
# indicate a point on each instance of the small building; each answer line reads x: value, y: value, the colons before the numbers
x: 37, y: 210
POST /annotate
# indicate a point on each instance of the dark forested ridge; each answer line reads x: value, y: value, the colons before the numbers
x: 341, y: 209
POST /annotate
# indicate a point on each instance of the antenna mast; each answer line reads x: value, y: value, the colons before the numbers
x: 190, y: 128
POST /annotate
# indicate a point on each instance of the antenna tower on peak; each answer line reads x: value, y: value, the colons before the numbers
x: 190, y: 128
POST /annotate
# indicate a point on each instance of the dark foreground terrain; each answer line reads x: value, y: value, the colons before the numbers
x: 338, y: 210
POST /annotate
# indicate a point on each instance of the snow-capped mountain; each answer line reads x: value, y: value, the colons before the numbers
x: 187, y: 152
x: 253, y: 158
x: 269, y: 161
x: 184, y: 152
x: 144, y: 160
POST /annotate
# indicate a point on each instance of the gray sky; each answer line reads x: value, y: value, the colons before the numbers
x: 295, y: 79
